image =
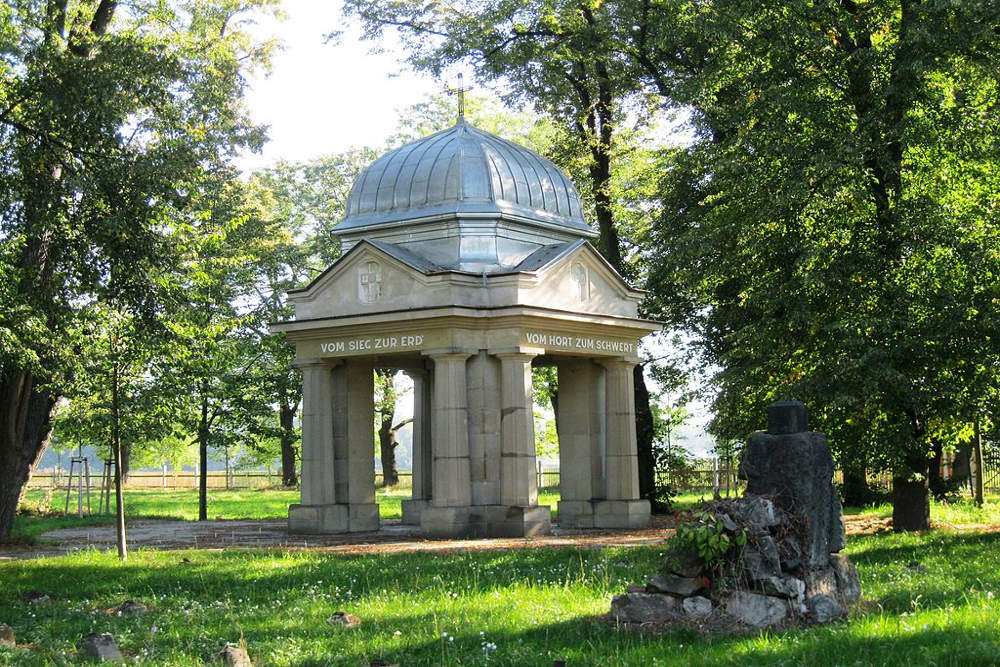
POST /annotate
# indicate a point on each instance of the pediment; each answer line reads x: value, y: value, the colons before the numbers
x: 580, y: 280
x: 366, y: 279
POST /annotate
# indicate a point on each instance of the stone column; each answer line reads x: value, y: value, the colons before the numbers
x: 448, y: 513
x: 483, y: 397
x: 421, y: 445
x: 317, y: 432
x: 519, y: 513
x: 518, y: 486
x: 338, y: 467
x: 621, y: 507
x: 581, y: 421
x: 354, y: 453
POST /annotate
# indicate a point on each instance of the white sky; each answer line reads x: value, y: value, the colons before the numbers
x: 326, y: 97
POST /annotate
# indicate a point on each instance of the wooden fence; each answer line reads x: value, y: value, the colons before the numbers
x: 707, y: 476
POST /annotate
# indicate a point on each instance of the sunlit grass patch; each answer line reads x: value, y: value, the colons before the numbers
x: 511, y: 607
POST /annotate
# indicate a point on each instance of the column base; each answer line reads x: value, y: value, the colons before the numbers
x: 412, y: 510
x: 485, y: 521
x: 576, y: 514
x: 341, y: 518
x: 621, y: 514
x: 604, y: 514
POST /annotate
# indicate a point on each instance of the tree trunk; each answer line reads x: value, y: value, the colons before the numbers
x: 856, y: 491
x: 977, y: 459
x: 203, y: 460
x: 911, y: 507
x: 961, y: 465
x: 936, y: 483
x: 287, y: 420
x: 644, y: 435
x: 387, y: 450
x: 25, y: 423
x: 116, y: 441
x: 126, y: 460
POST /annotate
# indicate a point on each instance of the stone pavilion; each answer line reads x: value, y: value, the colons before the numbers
x: 466, y: 262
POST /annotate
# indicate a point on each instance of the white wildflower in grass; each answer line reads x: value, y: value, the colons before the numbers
x: 397, y: 633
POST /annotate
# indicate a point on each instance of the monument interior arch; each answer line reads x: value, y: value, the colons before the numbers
x: 466, y: 262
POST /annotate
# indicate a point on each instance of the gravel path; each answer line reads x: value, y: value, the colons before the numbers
x: 273, y: 534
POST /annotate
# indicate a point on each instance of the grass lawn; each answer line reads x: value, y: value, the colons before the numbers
x: 510, y: 607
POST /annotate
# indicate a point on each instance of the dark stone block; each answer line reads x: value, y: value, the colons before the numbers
x: 674, y: 585
x: 787, y: 417
x: 100, y: 646
x: 645, y: 607
x: 682, y: 563
x: 825, y: 609
x: 848, y: 582
x: 796, y: 469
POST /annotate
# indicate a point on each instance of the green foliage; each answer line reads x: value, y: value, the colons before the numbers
x: 116, y: 121
x: 702, y: 534
x: 831, y: 234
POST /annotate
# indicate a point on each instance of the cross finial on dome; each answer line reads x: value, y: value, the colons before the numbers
x: 460, y: 91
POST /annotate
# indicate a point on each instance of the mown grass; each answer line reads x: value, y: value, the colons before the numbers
x: 512, y: 607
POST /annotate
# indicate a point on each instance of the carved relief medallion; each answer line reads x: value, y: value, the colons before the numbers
x: 580, y: 279
x: 370, y: 282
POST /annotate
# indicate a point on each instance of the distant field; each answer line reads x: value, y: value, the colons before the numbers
x: 263, y: 503
x: 272, y: 503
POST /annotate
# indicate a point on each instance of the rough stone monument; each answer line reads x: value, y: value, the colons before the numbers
x: 466, y: 263
x: 769, y: 558
x: 794, y: 466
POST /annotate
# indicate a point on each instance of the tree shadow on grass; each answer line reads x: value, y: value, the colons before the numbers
x: 586, y: 642
x: 256, y: 594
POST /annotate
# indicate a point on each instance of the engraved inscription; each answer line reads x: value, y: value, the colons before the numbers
x: 372, y: 343
x: 583, y: 343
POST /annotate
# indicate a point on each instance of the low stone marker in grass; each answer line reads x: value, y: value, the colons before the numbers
x: 7, y: 636
x: 100, y: 646
x: 770, y: 558
x: 234, y: 655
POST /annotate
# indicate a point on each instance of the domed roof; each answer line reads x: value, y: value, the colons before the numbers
x: 463, y: 171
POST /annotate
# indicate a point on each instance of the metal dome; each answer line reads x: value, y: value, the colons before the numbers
x: 458, y: 172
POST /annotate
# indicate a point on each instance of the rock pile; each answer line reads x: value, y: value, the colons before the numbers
x: 764, y: 577
x: 769, y: 558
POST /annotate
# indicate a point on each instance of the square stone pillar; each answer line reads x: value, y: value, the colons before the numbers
x: 317, y: 432
x: 338, y: 450
x: 483, y: 391
x: 581, y: 421
x: 621, y: 506
x: 422, y: 458
x: 449, y: 511
x: 519, y: 513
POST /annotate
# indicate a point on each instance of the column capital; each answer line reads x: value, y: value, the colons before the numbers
x: 448, y: 353
x: 415, y: 373
x: 616, y: 362
x: 521, y: 353
x: 315, y: 362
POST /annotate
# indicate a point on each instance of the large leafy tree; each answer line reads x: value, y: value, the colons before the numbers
x: 832, y: 232
x: 110, y: 116
x: 303, y: 202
